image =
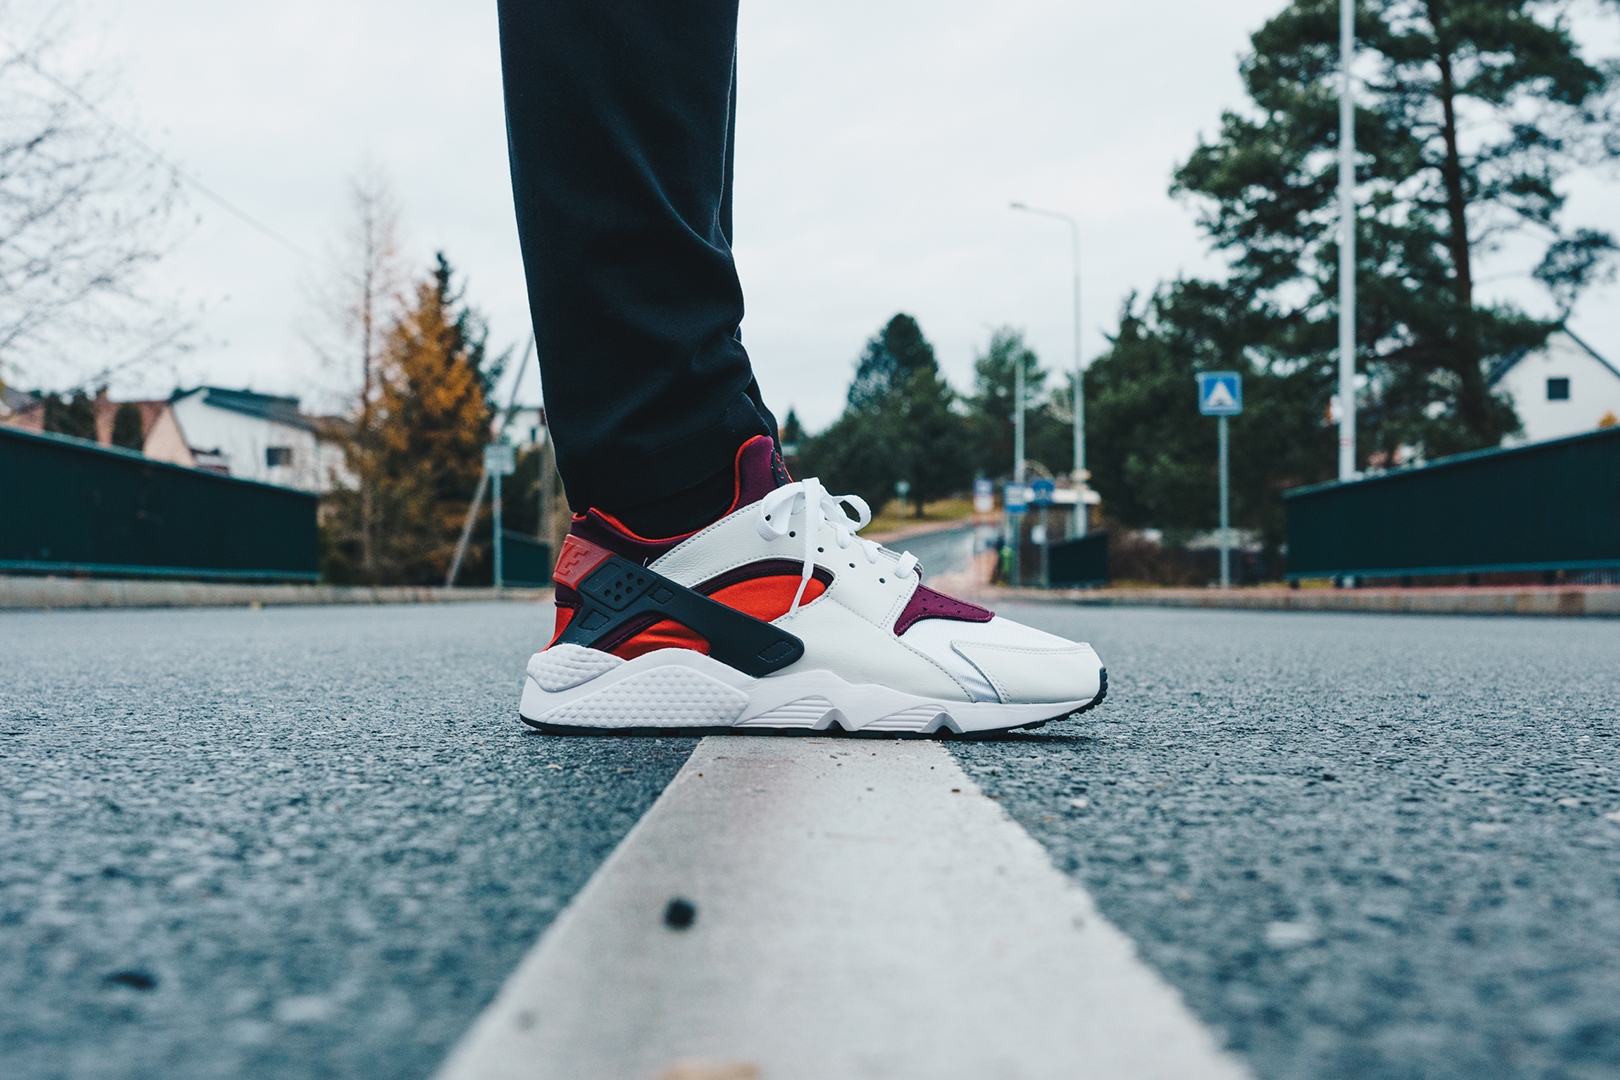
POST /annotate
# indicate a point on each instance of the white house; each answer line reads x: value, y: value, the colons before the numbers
x: 528, y: 426
x: 255, y: 437
x: 1564, y: 388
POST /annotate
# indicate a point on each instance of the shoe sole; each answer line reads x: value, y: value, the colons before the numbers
x: 574, y: 691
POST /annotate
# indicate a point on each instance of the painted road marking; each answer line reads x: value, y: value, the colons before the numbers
x: 860, y: 910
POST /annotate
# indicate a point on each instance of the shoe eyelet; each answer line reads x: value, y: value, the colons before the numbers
x: 852, y: 566
x: 881, y: 581
x: 791, y: 533
x: 821, y: 549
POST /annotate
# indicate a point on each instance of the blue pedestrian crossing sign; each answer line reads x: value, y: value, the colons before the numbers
x: 1220, y: 393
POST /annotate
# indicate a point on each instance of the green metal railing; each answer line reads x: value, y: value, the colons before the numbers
x: 1081, y: 561
x: 1548, y: 506
x: 526, y: 562
x: 68, y: 506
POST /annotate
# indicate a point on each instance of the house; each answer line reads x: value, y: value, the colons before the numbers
x: 256, y: 437
x: 1563, y: 388
x: 160, y: 436
x: 527, y: 426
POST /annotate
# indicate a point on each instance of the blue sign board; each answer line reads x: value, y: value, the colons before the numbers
x: 1040, y: 492
x: 1220, y: 393
x: 1014, y: 497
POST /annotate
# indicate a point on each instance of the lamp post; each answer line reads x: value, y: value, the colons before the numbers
x: 1082, y: 509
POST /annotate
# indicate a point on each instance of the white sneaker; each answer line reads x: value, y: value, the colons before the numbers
x: 779, y: 617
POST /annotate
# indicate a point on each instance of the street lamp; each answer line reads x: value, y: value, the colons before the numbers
x: 1082, y: 510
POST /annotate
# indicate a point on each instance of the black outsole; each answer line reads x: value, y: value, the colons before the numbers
x: 835, y: 729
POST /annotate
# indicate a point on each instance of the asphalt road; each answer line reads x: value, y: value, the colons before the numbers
x: 1360, y: 845
x: 299, y: 842
x: 313, y: 842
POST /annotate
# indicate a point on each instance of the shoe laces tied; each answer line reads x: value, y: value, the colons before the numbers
x: 776, y: 512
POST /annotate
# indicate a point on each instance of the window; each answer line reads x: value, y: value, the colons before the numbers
x: 282, y: 455
x: 1557, y: 389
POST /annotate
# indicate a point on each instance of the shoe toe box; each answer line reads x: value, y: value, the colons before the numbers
x: 1005, y: 661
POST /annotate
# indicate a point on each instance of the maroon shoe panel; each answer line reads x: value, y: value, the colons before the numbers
x: 928, y: 603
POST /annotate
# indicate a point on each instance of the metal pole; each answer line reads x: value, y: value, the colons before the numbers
x: 483, y: 480
x: 498, y: 545
x: 1347, y: 244
x: 1018, y: 419
x: 466, y: 530
x: 1082, y: 510
x: 1018, y: 468
x: 1046, y: 548
x: 1226, y: 512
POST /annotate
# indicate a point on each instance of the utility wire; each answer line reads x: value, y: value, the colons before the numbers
x: 179, y: 173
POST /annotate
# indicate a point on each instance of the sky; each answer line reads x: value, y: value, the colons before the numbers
x: 878, y: 149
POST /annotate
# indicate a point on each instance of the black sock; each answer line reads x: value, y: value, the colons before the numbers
x: 683, y: 512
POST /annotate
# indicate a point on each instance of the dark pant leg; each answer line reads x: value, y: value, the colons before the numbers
x: 619, y: 123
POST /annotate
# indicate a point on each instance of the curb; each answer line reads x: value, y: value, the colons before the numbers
x: 51, y: 593
x: 1547, y: 600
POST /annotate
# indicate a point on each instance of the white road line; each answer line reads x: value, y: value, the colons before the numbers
x: 862, y: 911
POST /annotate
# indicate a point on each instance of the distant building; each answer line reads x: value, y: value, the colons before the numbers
x: 528, y: 426
x: 161, y: 438
x: 256, y: 437
x: 1563, y: 388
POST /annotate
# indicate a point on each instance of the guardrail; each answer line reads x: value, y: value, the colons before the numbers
x: 72, y: 507
x: 1081, y: 561
x: 525, y: 561
x: 1544, y: 507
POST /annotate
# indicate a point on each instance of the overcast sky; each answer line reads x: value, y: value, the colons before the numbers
x: 879, y: 145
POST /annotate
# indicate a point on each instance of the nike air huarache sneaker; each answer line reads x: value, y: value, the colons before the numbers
x: 779, y: 617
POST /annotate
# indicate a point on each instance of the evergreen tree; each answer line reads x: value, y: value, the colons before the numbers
x: 1471, y: 112
x: 1153, y: 456
x: 127, y: 427
x: 1048, y: 441
x: 792, y: 432
x: 431, y: 421
x: 75, y: 415
x: 901, y: 424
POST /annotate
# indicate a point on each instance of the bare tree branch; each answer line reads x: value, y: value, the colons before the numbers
x: 83, y: 217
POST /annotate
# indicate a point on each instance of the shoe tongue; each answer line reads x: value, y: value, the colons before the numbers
x: 759, y: 471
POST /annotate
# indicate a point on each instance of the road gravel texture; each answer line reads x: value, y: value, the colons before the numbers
x: 314, y: 842
x: 1360, y: 845
x: 283, y: 843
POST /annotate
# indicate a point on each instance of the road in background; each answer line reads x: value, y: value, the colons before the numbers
x: 1360, y: 845
x: 945, y: 552
x: 300, y: 842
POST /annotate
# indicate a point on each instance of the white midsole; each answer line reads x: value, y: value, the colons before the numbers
x: 676, y: 688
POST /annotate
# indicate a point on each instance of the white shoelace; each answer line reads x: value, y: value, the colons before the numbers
x: 775, y: 517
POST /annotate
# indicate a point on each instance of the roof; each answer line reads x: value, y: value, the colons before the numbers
x: 279, y: 410
x: 1504, y: 364
x: 14, y: 400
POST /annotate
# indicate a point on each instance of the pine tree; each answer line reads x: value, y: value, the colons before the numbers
x: 73, y: 415
x: 901, y: 424
x: 1048, y: 442
x: 1470, y: 113
x: 127, y: 427
x: 431, y: 421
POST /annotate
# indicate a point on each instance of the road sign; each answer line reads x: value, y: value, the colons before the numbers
x: 1220, y: 393
x: 1014, y: 498
x: 902, y: 488
x: 984, y: 496
x: 1040, y: 492
x: 499, y: 459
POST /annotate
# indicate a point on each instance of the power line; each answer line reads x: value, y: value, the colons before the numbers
x: 179, y: 173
